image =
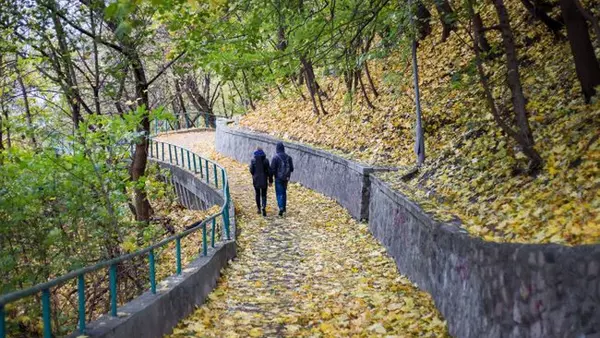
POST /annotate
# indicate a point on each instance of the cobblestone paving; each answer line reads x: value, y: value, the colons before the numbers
x: 316, y: 272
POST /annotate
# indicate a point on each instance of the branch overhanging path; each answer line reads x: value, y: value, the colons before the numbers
x: 316, y: 271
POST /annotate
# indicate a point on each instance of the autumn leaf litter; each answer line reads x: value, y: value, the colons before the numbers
x: 316, y: 272
x: 472, y: 172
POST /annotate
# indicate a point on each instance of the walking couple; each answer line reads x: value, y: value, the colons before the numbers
x: 262, y: 173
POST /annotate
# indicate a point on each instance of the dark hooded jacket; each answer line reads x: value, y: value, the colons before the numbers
x: 260, y: 170
x: 279, y: 162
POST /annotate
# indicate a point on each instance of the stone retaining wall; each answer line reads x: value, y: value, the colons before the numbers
x: 176, y: 297
x: 345, y: 181
x: 483, y: 289
x: 154, y: 315
x: 487, y: 289
x: 191, y: 192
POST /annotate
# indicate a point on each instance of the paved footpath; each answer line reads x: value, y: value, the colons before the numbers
x: 316, y: 272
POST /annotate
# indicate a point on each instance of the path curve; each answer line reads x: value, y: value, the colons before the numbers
x: 316, y: 272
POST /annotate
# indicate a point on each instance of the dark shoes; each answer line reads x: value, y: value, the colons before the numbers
x: 262, y: 211
x: 282, y: 212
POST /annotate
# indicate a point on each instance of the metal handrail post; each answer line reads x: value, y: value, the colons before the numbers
x: 46, y: 313
x: 216, y: 177
x: 152, y: 272
x: 204, y: 242
x: 178, y: 255
x: 212, y: 233
x: 113, y: 289
x: 2, y: 322
x: 81, y: 302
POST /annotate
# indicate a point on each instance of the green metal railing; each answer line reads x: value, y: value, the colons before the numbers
x: 157, y: 151
x: 186, y: 121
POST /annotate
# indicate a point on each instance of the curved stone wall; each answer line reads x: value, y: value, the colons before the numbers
x: 483, y: 289
x: 191, y: 192
x: 345, y: 181
x: 486, y: 289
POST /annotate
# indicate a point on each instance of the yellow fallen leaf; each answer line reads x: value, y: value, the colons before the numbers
x: 256, y: 332
x: 377, y: 328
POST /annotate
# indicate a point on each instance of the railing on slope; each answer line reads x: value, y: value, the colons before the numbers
x: 186, y: 121
x: 173, y: 155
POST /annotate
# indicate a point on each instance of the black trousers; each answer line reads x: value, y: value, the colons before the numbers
x: 260, y: 193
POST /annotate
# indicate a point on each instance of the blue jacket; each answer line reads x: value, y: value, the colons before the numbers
x: 260, y: 170
x: 278, y: 161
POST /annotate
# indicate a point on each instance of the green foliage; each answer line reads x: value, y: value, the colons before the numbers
x: 266, y: 39
x: 64, y: 206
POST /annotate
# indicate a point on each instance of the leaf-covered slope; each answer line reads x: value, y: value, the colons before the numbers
x: 472, y: 171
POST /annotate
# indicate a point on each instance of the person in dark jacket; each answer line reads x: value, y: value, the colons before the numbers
x: 282, y: 167
x: 261, y: 174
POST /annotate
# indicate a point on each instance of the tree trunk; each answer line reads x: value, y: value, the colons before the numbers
x: 311, y: 92
x: 27, y: 108
x: 480, y: 34
x: 176, y: 110
x: 206, y: 88
x: 276, y: 83
x: 1, y: 134
x: 589, y: 16
x: 364, y: 92
x: 96, y: 87
x: 310, y: 84
x: 242, y: 100
x: 423, y: 24
x: 356, y: 75
x: 525, y: 136
x: 2, y: 108
x: 281, y: 39
x: 248, y: 93
x: 223, y: 102
x: 140, y: 157
x: 298, y: 89
x: 366, y: 49
x: 370, y: 80
x: 122, y: 78
x: 199, y: 101
x: 320, y: 94
x: 447, y: 17
x: 8, y: 140
x: 553, y: 26
x: 530, y: 152
x: 586, y: 64
x: 176, y: 113
x: 67, y: 75
x: 419, y: 137
x: 348, y: 80
x: 181, y: 103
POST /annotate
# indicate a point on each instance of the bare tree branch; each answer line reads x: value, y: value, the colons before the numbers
x: 165, y: 68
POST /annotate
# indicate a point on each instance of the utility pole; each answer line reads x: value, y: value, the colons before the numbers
x: 419, y: 140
